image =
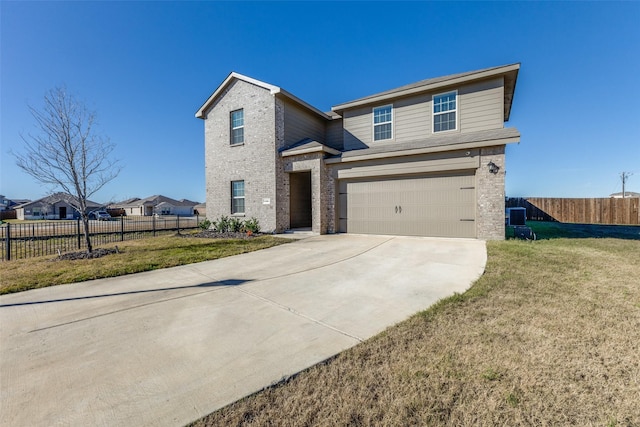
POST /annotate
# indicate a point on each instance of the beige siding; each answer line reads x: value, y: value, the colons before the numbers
x: 358, y: 128
x: 457, y: 160
x: 300, y: 124
x: 481, y: 106
x: 412, y: 118
x: 334, y: 137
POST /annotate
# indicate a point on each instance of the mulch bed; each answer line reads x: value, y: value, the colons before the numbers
x: 97, y: 253
x: 210, y: 234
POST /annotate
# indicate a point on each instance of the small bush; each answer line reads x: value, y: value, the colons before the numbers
x: 222, y: 224
x: 205, y: 224
x: 236, y: 225
x: 252, y: 225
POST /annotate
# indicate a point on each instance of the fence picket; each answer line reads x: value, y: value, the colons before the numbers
x: 584, y: 210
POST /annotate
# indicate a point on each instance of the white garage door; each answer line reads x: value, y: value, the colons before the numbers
x: 431, y: 205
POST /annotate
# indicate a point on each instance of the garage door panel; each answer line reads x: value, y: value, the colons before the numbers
x: 435, y: 205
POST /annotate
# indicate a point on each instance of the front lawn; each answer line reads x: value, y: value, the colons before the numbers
x: 135, y: 256
x: 554, y: 230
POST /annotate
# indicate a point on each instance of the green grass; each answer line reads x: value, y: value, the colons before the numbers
x: 555, y: 230
x: 135, y: 256
x: 549, y: 335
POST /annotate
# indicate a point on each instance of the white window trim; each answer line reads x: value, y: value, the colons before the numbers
x: 236, y: 127
x: 238, y: 197
x: 374, y: 124
x: 433, y: 113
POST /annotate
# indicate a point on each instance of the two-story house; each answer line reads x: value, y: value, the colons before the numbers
x: 425, y: 159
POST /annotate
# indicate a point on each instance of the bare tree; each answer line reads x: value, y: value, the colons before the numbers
x: 67, y: 153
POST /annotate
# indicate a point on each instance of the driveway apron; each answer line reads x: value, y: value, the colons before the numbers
x: 164, y: 348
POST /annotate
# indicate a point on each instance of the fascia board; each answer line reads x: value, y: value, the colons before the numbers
x: 301, y: 103
x: 274, y: 90
x: 325, y: 149
x: 426, y: 150
x: 237, y: 76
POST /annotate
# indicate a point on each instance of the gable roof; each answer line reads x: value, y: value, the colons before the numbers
x: 274, y: 90
x: 510, y: 73
x: 307, y: 146
x: 153, y: 200
x: 59, y: 197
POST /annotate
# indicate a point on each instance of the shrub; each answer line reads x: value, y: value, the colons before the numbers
x: 236, y: 225
x: 252, y: 225
x: 222, y: 224
x: 205, y: 224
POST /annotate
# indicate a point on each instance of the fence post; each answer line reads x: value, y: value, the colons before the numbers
x: 78, y: 233
x: 178, y: 223
x: 8, y: 242
x: 154, y: 225
x: 122, y: 228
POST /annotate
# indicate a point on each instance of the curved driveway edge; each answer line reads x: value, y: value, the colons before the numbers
x: 169, y: 346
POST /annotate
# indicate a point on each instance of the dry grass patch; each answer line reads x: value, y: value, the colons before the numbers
x: 550, y: 335
x: 135, y: 256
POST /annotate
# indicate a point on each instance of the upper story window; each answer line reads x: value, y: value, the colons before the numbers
x: 237, y: 127
x: 445, y: 111
x: 382, y: 123
x: 237, y: 197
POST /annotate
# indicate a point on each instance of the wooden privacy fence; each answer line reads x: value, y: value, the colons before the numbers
x: 581, y: 211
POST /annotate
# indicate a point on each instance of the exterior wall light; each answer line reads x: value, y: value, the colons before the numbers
x: 493, y: 168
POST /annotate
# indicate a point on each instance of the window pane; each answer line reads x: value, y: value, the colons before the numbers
x: 444, y: 112
x: 382, y: 132
x: 237, y: 197
x: 382, y: 114
x: 237, y: 206
x: 237, y: 118
x: 237, y: 136
x: 238, y: 188
x: 444, y: 102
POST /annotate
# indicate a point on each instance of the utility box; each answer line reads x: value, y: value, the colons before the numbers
x: 516, y: 216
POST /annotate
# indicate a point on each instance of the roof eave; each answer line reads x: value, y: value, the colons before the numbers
x: 426, y: 150
x: 428, y: 87
x: 320, y: 149
x: 274, y: 90
x: 200, y: 114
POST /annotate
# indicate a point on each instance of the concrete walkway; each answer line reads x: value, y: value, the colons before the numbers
x: 166, y: 347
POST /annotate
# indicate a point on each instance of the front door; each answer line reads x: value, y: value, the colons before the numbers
x: 300, y: 210
x: 62, y: 212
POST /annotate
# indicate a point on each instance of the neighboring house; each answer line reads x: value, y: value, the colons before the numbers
x: 55, y: 206
x: 4, y: 203
x: 627, y: 194
x: 10, y: 204
x: 426, y: 159
x: 155, y: 205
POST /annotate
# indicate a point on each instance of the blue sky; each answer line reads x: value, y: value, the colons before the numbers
x: 146, y: 67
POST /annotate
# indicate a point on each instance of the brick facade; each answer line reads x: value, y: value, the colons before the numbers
x: 490, y: 195
x: 254, y: 161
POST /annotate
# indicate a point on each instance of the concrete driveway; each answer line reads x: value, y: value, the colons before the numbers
x: 169, y: 346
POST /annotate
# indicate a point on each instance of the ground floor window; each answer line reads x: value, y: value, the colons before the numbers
x: 237, y: 197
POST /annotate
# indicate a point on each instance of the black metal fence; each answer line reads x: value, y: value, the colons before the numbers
x: 32, y: 239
